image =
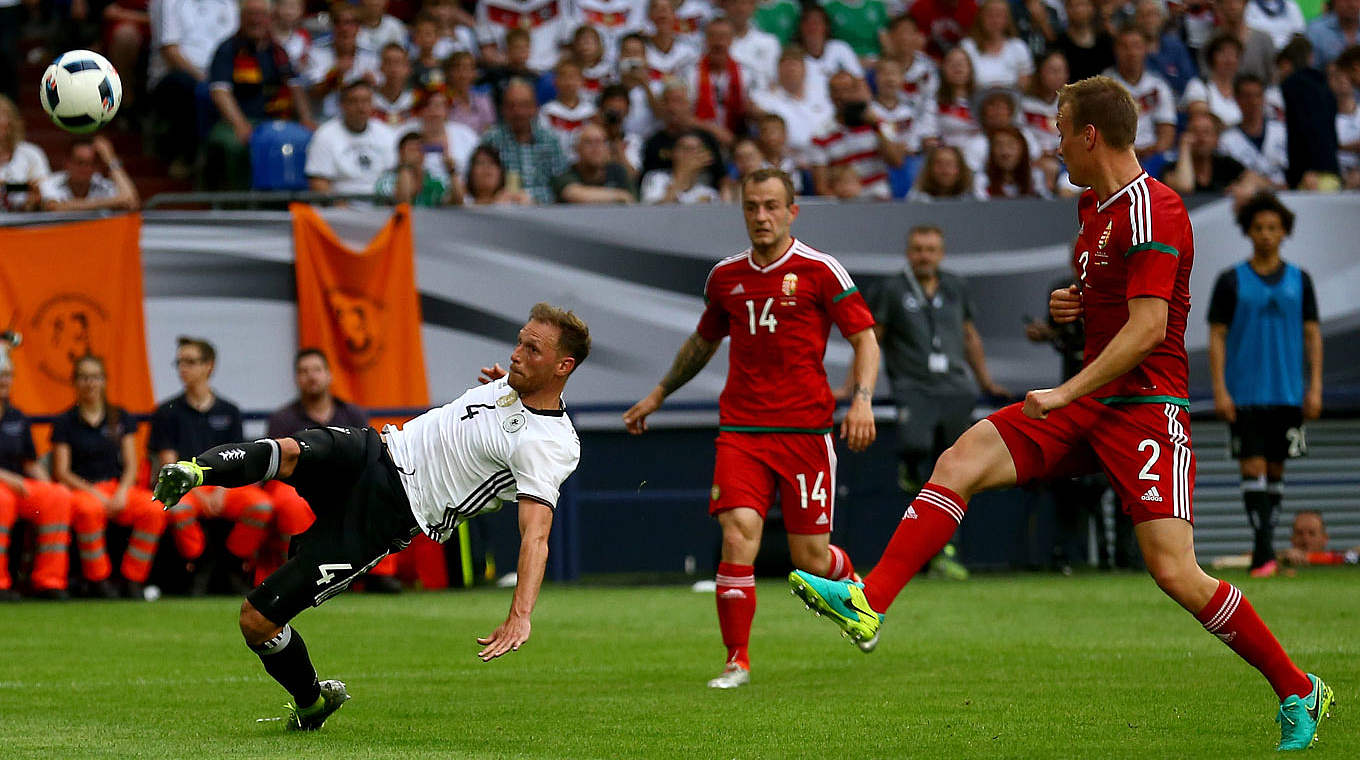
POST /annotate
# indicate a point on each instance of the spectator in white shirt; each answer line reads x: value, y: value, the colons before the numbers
x: 999, y: 58
x: 754, y: 49
x: 802, y: 109
x: 349, y: 153
x: 996, y: 109
x: 1213, y: 89
x: 445, y: 144
x: 80, y: 188
x: 824, y: 56
x: 684, y: 181
x: 22, y: 164
x: 1039, y: 114
x: 393, y: 99
x: 1258, y: 143
x: 289, y: 32
x: 339, y: 61
x: 893, y: 108
x: 1156, y: 104
x: 566, y: 114
x: 855, y: 138
x: 1347, y: 127
x: 667, y: 54
x: 772, y: 137
x: 920, y: 74
x: 377, y: 29
x: 954, y: 119
x: 184, y: 36
x: 587, y: 49
x: 1281, y: 19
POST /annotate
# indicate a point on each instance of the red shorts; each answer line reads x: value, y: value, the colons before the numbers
x: 1144, y: 449
x: 802, y: 466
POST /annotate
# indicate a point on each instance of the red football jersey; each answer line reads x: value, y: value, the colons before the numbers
x: 1137, y: 243
x: 779, y: 318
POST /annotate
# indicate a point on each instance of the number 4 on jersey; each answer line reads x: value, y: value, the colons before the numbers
x: 766, y: 318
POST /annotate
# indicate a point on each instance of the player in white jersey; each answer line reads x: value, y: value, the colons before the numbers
x: 509, y: 439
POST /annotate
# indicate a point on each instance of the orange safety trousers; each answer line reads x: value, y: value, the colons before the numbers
x: 248, y: 506
x: 89, y: 518
x: 48, y: 507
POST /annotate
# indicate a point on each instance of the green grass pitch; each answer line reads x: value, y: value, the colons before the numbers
x: 1002, y: 666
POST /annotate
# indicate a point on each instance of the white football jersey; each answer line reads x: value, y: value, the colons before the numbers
x: 484, y: 447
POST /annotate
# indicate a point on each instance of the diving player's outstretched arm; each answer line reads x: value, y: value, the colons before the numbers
x: 691, y: 358
x: 535, y: 522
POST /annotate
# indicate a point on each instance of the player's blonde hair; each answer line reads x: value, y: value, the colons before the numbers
x: 1105, y: 104
x: 574, y: 338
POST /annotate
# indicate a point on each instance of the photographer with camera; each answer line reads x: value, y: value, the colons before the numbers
x: 855, y: 137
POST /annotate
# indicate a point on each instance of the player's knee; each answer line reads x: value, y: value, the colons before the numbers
x: 1253, y: 467
x: 256, y: 629
x: 956, y: 469
x: 1174, y: 577
x: 738, y: 544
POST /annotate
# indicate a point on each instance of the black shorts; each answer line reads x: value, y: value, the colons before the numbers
x: 1273, y: 432
x: 362, y: 515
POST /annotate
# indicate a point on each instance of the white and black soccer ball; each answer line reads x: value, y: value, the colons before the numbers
x: 81, y: 91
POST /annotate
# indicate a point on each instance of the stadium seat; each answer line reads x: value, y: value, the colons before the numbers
x: 278, y: 156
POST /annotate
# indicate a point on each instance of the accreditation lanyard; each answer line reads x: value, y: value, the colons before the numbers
x: 938, y: 361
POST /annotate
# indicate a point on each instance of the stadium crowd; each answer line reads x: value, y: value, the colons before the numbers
x: 98, y: 473
x: 670, y: 101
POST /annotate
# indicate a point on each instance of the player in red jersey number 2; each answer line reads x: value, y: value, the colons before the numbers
x: 1125, y: 412
x: 776, y: 302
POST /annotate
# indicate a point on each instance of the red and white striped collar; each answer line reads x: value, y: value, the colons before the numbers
x: 750, y: 258
x: 1142, y: 176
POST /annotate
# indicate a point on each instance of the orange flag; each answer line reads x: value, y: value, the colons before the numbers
x: 362, y: 309
x: 72, y: 290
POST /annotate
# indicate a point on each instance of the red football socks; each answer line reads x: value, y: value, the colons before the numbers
x: 929, y: 523
x: 736, y: 596
x: 1231, y: 618
x: 841, y: 566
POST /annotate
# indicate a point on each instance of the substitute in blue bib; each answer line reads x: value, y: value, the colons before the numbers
x: 1265, y: 355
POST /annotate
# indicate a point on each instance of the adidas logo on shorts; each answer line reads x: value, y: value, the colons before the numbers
x: 1152, y: 495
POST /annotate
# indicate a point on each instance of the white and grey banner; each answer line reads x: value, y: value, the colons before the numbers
x: 636, y: 275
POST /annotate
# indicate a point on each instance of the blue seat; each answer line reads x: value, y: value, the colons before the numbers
x: 278, y: 156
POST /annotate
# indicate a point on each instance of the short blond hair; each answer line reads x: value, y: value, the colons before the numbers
x: 1105, y: 104
x: 574, y: 337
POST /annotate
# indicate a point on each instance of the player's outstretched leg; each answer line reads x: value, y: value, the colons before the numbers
x: 1168, y: 548
x: 978, y: 461
x: 231, y: 465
